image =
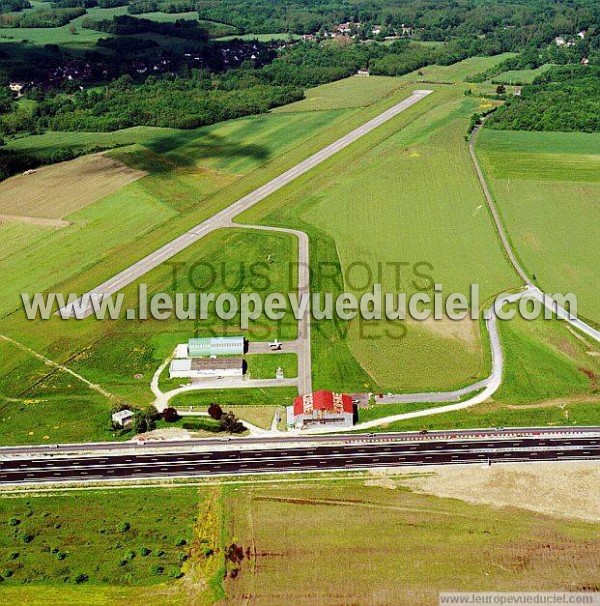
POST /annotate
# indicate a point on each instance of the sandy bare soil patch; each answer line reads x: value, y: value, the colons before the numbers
x: 569, y: 490
x: 53, y: 192
x: 33, y: 221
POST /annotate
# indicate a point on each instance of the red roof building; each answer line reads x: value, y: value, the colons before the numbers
x: 322, y: 408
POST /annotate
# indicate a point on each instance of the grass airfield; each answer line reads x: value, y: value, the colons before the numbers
x: 404, y: 193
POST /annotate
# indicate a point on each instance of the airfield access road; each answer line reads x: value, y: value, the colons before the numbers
x: 225, y: 217
x: 319, y: 458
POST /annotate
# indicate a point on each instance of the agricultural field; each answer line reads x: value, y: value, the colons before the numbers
x: 187, y: 170
x: 486, y: 531
x: 547, y: 188
x: 56, y: 191
x: 458, y: 72
x: 478, y: 547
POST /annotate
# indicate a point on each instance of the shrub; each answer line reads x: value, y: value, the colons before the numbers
x: 123, y: 526
x: 157, y: 569
x: 61, y: 555
x: 215, y: 411
x: 81, y: 578
x: 14, y: 522
x: 170, y: 414
x: 180, y: 542
x: 144, y: 551
x: 27, y: 538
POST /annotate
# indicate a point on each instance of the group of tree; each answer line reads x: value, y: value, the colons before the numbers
x: 13, y: 6
x: 516, y: 22
x: 563, y: 98
x: 138, y: 7
x: 45, y: 18
x: 229, y: 422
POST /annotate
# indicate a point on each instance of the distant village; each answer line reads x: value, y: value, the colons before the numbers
x: 357, y: 30
x: 79, y: 71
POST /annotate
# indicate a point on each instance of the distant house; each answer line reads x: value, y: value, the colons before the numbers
x: 200, y: 368
x: 17, y: 88
x: 362, y: 72
x: 123, y: 418
x: 321, y: 408
x: 581, y: 34
x: 585, y: 61
x: 518, y: 91
x: 559, y: 41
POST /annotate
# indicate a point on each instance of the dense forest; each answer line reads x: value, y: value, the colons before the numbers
x: 564, y: 98
x: 533, y: 20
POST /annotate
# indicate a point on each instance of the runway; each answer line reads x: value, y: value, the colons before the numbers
x: 314, y: 458
x: 84, y: 306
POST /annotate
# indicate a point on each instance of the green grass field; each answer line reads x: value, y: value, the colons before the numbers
x: 459, y: 72
x: 17, y: 41
x: 264, y: 366
x: 405, y: 194
x: 545, y: 360
x: 521, y: 76
x: 356, y: 91
x: 120, y: 538
x: 269, y: 397
x: 547, y: 189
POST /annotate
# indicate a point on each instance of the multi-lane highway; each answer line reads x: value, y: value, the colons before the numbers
x: 346, y: 455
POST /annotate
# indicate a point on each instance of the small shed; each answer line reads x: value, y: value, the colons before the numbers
x: 123, y: 418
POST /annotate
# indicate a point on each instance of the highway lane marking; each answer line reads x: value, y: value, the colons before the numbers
x: 355, y: 466
x: 302, y: 456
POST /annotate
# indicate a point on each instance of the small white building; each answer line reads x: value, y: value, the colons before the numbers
x: 202, y: 368
x: 123, y: 418
x: 559, y: 41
